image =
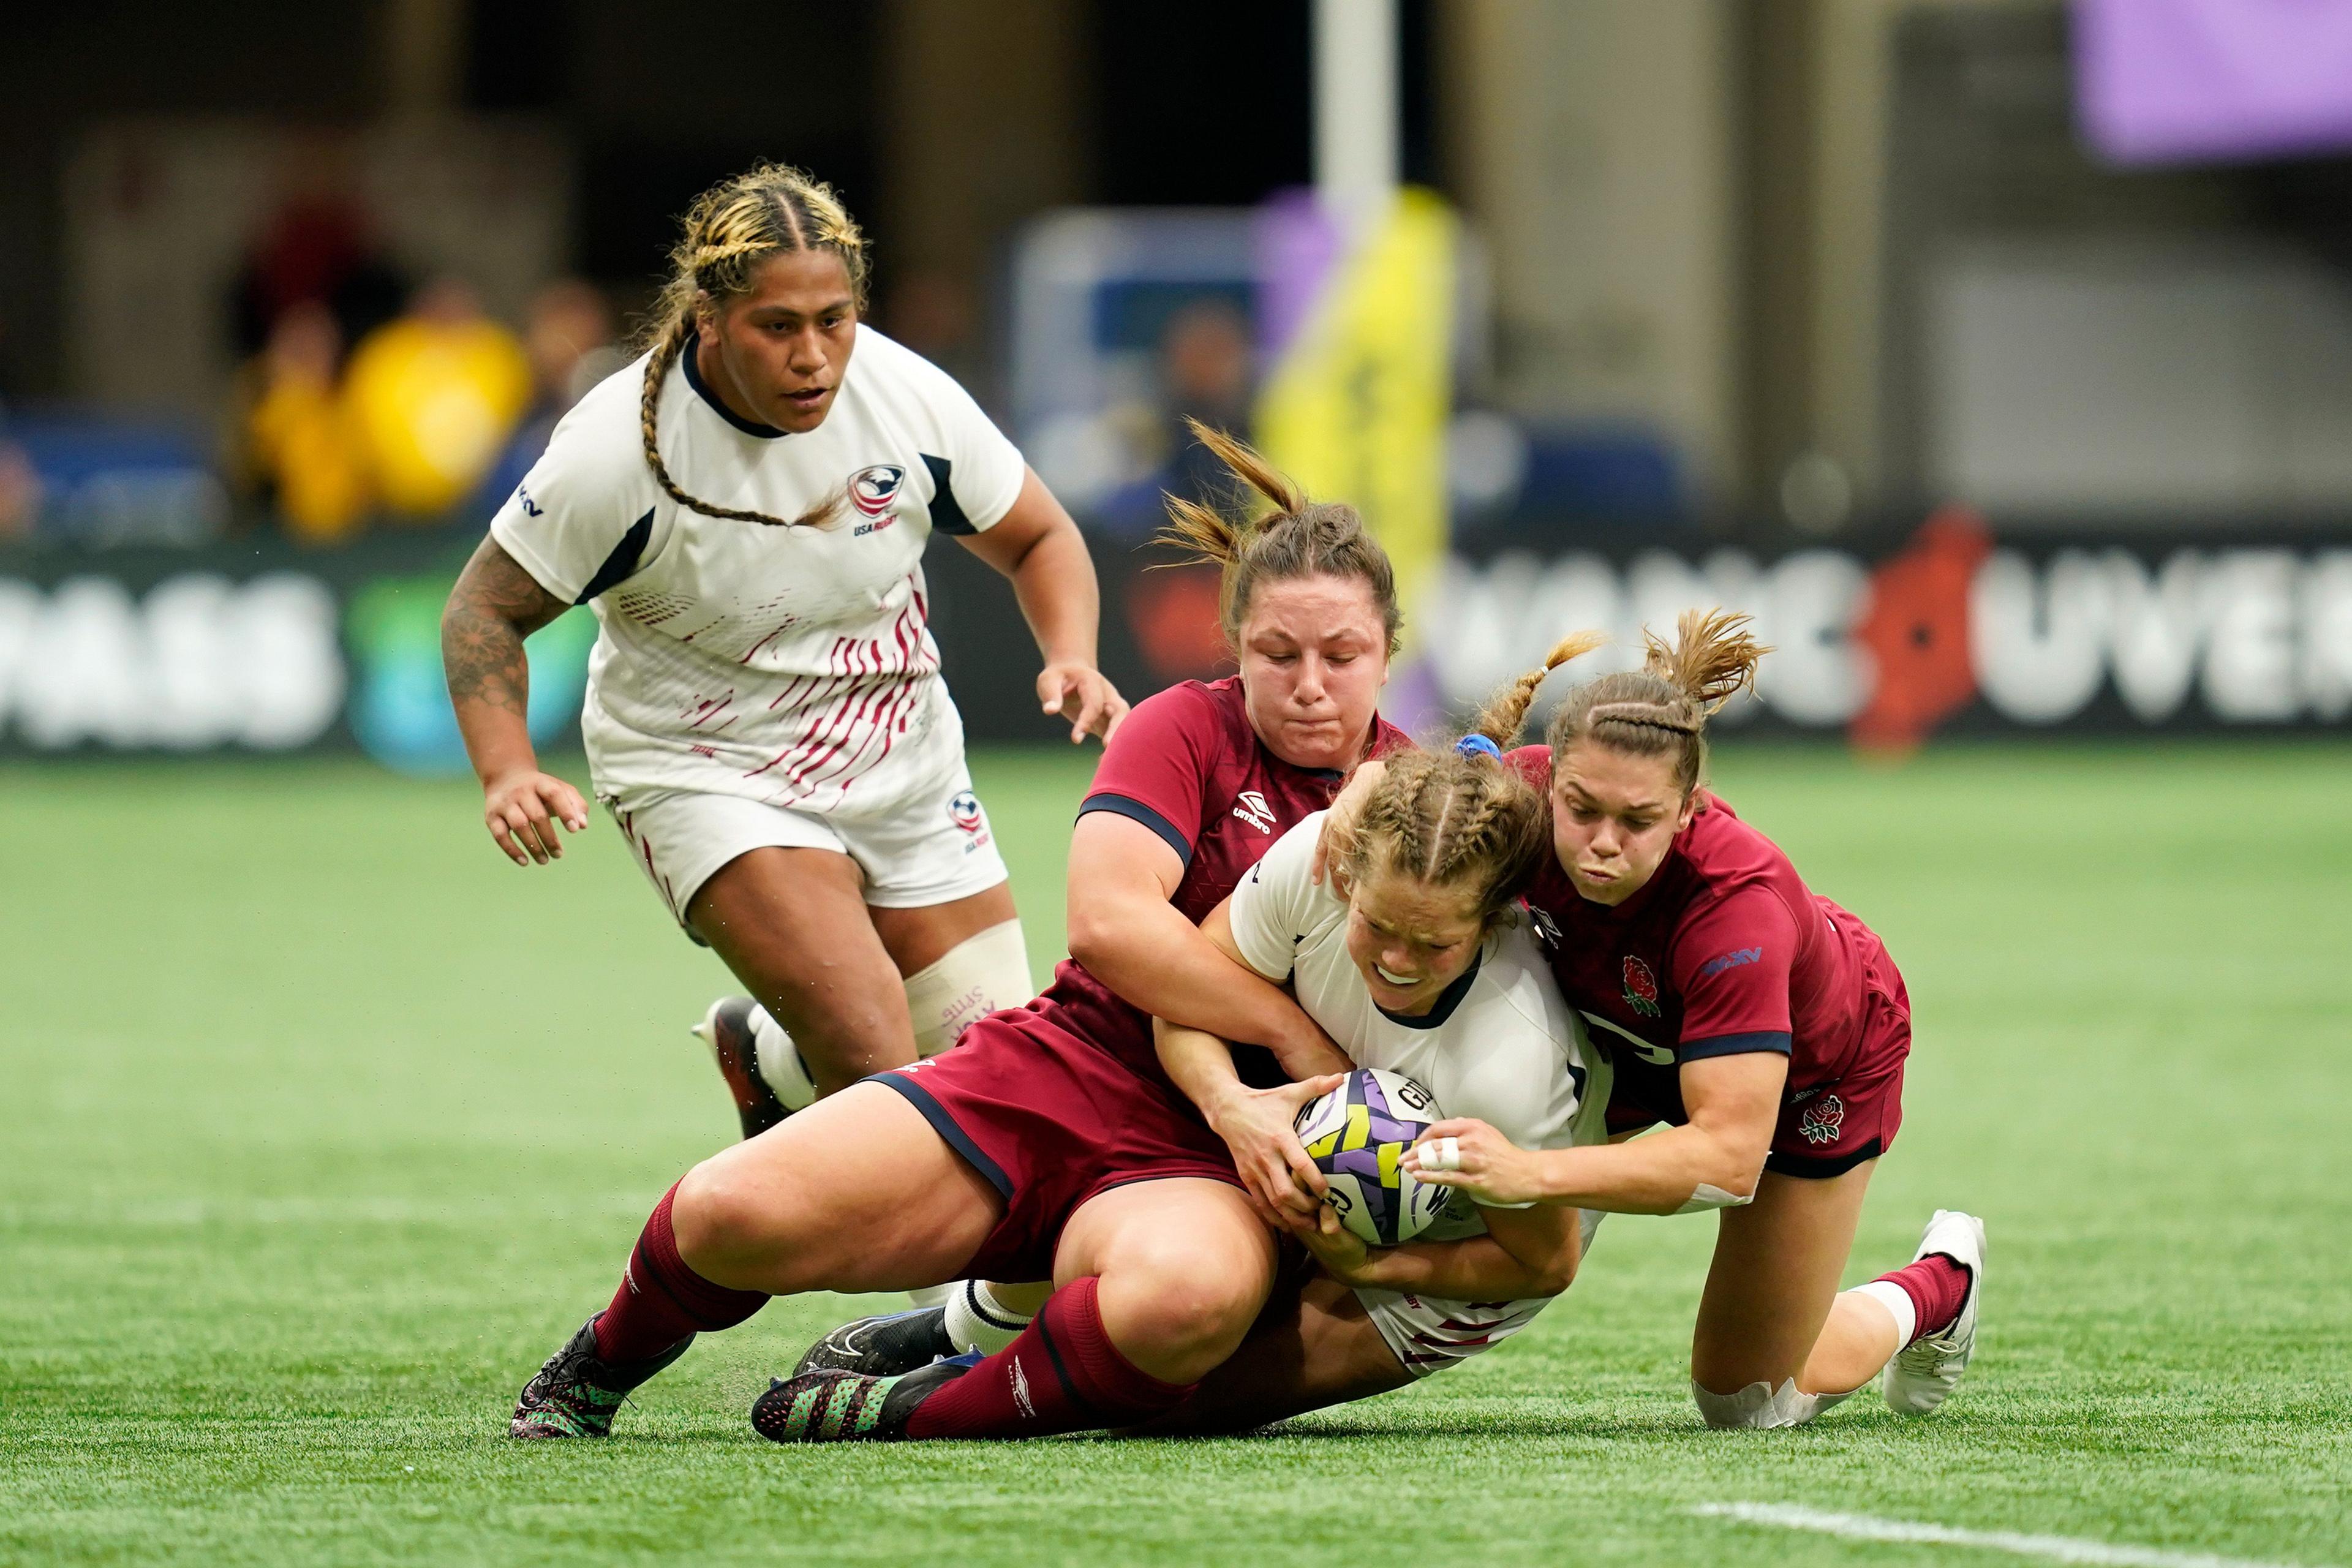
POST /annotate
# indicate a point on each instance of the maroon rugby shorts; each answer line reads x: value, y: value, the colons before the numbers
x: 1826, y: 1129
x: 1051, y: 1121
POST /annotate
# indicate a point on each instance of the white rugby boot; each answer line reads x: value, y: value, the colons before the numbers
x: 1922, y: 1375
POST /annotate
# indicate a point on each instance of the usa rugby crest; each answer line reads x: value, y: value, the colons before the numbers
x: 874, y: 491
x: 1641, y: 987
x: 964, y: 810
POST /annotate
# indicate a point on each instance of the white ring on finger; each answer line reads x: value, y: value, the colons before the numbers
x: 1442, y: 1154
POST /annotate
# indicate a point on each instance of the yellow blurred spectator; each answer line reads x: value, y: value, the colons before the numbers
x: 436, y: 394
x: 300, y: 438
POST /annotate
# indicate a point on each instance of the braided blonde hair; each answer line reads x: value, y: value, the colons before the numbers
x: 1662, y: 709
x: 729, y: 231
x: 1462, y: 816
x: 1449, y: 818
x: 1296, y: 538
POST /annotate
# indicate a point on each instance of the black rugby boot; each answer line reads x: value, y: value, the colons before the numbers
x: 884, y: 1346
x: 726, y: 1030
x: 575, y: 1394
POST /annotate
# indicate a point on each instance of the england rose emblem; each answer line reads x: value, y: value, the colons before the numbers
x: 1640, y: 988
x: 1822, y: 1119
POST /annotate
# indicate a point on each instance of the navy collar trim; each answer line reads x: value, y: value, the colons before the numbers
x: 1447, y: 1001
x: 694, y: 380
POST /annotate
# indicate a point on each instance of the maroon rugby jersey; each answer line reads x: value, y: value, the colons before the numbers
x: 1723, y: 951
x: 1187, y: 766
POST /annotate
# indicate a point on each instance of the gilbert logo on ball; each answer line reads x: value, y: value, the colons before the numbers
x: 1641, y: 987
x: 1355, y: 1134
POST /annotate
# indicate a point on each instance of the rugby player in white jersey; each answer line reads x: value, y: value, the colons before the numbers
x: 746, y: 508
x: 1389, y: 957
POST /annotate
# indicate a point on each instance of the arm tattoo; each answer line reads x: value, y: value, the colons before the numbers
x: 494, y: 606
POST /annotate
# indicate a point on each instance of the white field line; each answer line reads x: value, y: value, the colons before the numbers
x: 2059, y: 1547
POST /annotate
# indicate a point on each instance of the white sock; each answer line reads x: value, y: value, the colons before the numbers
x: 780, y: 1063
x: 934, y: 1295
x: 977, y: 1320
x: 1897, y: 1300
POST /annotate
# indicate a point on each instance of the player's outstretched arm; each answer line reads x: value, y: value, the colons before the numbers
x: 495, y: 605
x: 1041, y: 551
x: 1714, y: 1162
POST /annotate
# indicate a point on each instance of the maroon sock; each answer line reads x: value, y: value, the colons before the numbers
x: 662, y: 1300
x: 1062, y: 1375
x: 1938, y: 1287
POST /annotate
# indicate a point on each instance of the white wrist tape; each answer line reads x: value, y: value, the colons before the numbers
x: 1705, y: 1197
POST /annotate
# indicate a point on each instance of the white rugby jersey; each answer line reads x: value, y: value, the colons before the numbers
x: 782, y: 664
x: 1501, y: 1044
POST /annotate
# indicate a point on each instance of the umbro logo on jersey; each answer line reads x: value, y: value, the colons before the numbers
x: 1251, y: 808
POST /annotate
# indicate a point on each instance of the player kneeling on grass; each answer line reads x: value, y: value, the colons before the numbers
x: 1765, y: 1026
x: 1030, y: 1149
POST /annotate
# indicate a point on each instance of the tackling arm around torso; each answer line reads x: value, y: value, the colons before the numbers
x: 1128, y: 934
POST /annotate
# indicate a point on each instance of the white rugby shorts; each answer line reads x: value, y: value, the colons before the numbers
x: 1428, y: 1335
x: 929, y: 843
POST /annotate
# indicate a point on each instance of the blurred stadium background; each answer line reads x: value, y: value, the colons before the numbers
x: 1996, y: 353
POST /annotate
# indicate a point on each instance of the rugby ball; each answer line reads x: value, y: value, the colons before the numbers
x: 1355, y: 1135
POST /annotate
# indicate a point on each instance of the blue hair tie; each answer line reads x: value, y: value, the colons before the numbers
x: 1478, y: 746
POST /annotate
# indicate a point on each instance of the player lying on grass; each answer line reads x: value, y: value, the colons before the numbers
x: 1191, y: 792
x: 1766, y: 1028
x: 1030, y: 1149
x: 1414, y: 960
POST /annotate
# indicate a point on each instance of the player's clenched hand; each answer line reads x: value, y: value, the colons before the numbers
x: 1257, y: 1126
x: 1340, y: 821
x: 1477, y: 1160
x: 1079, y: 693
x: 1340, y: 1251
x: 521, y: 810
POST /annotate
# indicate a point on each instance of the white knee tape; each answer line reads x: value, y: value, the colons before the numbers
x: 975, y: 977
x: 1760, y: 1405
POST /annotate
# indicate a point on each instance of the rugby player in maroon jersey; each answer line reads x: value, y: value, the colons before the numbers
x: 1049, y: 1139
x: 1763, y: 1026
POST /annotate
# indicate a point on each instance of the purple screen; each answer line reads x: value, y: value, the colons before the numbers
x: 2186, y: 81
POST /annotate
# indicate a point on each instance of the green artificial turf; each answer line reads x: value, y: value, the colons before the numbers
x: 322, y: 1125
